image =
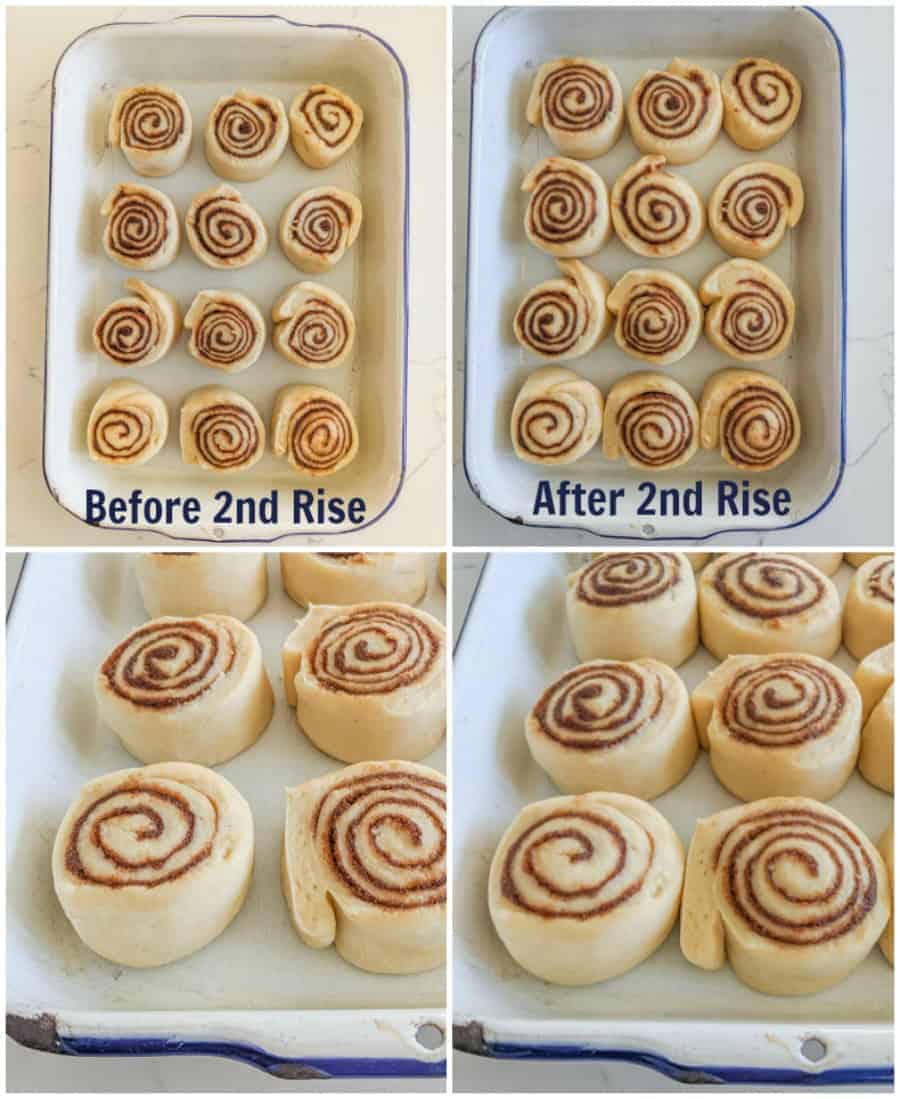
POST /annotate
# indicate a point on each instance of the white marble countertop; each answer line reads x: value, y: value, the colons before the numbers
x: 35, y: 38
x: 862, y: 511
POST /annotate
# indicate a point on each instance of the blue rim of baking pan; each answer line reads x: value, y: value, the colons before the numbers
x: 519, y: 520
x: 404, y: 401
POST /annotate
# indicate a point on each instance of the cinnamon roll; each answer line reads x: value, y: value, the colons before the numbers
x: 153, y: 863
x: 873, y: 675
x: 586, y: 887
x: 368, y: 680
x: 676, y: 112
x: 566, y: 317
x: 750, y: 418
x: 751, y: 311
x: 651, y: 421
x: 876, y: 755
x: 224, y: 231
x: 886, y: 850
x: 656, y: 213
x: 245, y: 135
x: 152, y: 126
x: 324, y: 124
x: 568, y: 208
x: 763, y: 603
x: 761, y: 100
x: 785, y: 724
x: 318, y: 226
x: 141, y: 227
x: 187, y: 689
x: 364, y: 865
x: 314, y: 429
x: 789, y: 889
x: 557, y: 417
x: 221, y: 430
x: 579, y: 103
x: 869, y: 609
x: 228, y: 332
x: 627, y: 606
x: 614, y: 725
x: 138, y: 330
x: 189, y: 584
x: 753, y: 206
x: 658, y: 315
x: 128, y: 425
x: 339, y: 579
x: 314, y: 326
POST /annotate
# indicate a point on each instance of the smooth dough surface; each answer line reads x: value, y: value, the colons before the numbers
x: 869, y: 608
x: 189, y: 584
x: 341, y: 579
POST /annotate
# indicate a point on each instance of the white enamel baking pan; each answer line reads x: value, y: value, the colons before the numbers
x: 502, y: 265
x: 257, y: 993
x: 691, y: 1025
x: 204, y: 57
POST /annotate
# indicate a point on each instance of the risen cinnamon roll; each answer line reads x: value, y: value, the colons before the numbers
x: 342, y: 578
x: 224, y: 231
x: 565, y: 317
x: 651, y: 421
x: 324, y: 124
x: 557, y: 417
x: 152, y: 126
x: 314, y: 326
x: 751, y: 311
x: 140, y: 329
x: 753, y: 206
x: 869, y: 609
x: 245, y: 135
x: 318, y: 226
x: 655, y: 212
x: 141, y: 227
x: 315, y: 429
x: 228, y: 332
x: 221, y: 430
x: 676, y: 112
x: 762, y: 100
x: 568, y: 208
x: 750, y: 418
x: 579, y: 103
x: 128, y: 425
x: 658, y: 315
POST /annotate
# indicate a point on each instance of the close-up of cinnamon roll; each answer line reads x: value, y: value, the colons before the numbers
x: 658, y: 315
x: 364, y: 865
x: 584, y: 888
x: 869, y: 607
x: 224, y: 231
x: 751, y: 311
x: 245, y: 135
x: 790, y: 891
x: 314, y: 326
x: 579, y: 103
x: 128, y: 425
x: 750, y: 418
x: 780, y: 725
x: 568, y: 208
x: 676, y: 112
x: 152, y: 126
x: 634, y: 605
x: 753, y: 206
x: 138, y: 330
x: 565, y: 317
x: 340, y: 579
x: 221, y: 430
x: 188, y: 689
x: 762, y: 100
x: 655, y: 212
x: 624, y: 726
x: 761, y: 603
x: 318, y: 227
x: 314, y: 429
x: 651, y: 421
x: 557, y: 417
x: 153, y: 863
x: 874, y: 678
x: 189, y: 584
x: 368, y: 680
x: 141, y: 228
x: 228, y: 331
x: 325, y: 122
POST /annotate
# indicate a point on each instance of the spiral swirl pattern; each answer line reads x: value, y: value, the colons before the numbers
x: 763, y: 585
x: 670, y: 106
x: 225, y: 229
x: 151, y: 119
x: 225, y: 435
x: 654, y: 319
x: 138, y: 226
x: 321, y: 434
x: 562, y: 207
x: 576, y: 98
x: 127, y: 332
x: 321, y: 224
x: 377, y: 649
x: 384, y: 836
x: 123, y: 432
x: 755, y: 206
x: 655, y: 210
x: 754, y: 319
x: 766, y: 92
x: 552, y: 319
x: 328, y: 114
x: 757, y: 427
x: 319, y: 333
x: 655, y: 428
x: 617, y: 579
x: 757, y: 864
x: 245, y: 128
x: 551, y: 426
x: 881, y: 582
x: 225, y: 333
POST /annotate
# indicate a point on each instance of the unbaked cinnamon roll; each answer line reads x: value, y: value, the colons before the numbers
x: 568, y: 208
x: 876, y: 754
x: 557, y: 417
x: 655, y: 212
x: 314, y: 326
x: 565, y: 317
x: 138, y: 330
x: 325, y: 122
x: 676, y: 112
x: 141, y: 227
x: 788, y: 889
x: 221, y: 430
x: 153, y: 863
x: 750, y: 418
x: 339, y: 579
x: 314, y: 429
x: 586, y: 887
x: 658, y: 315
x: 228, y: 332
x: 224, y: 231
x: 651, y: 421
x: 318, y: 226
x: 128, y: 425
x: 190, y: 584
x: 751, y: 311
x: 753, y: 206
x: 364, y: 865
x: 869, y: 609
x: 762, y: 100
x: 152, y: 126
x: 245, y: 135
x: 579, y: 103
